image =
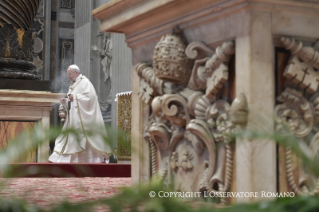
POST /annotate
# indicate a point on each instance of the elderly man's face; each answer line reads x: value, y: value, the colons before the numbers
x: 72, y: 74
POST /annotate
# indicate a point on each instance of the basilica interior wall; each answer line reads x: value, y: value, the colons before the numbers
x: 64, y: 32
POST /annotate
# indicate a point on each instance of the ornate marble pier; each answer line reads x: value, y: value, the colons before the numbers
x: 207, y: 67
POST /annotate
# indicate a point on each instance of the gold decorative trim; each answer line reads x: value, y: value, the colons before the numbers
x: 72, y: 86
x: 124, y: 158
x: 124, y: 125
x: 66, y: 142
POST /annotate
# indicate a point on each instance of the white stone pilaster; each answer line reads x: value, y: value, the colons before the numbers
x: 256, y: 159
x: 140, y: 149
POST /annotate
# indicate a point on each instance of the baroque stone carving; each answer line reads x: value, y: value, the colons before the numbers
x: 169, y: 61
x: 302, y: 65
x: 298, y: 110
x: 189, y: 128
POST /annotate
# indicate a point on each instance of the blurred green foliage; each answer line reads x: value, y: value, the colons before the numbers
x: 137, y: 197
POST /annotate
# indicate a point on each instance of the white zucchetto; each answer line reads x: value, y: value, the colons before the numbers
x: 75, y: 67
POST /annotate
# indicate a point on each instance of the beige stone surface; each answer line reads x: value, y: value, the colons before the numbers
x: 256, y: 161
x: 25, y: 105
x: 140, y: 151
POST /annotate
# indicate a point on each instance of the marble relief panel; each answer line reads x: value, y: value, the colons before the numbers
x: 297, y: 113
x: 190, y: 89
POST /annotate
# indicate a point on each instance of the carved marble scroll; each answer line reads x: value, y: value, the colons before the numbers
x: 189, y: 128
x: 299, y: 112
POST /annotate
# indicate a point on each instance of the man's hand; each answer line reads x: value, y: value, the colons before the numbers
x: 71, y: 97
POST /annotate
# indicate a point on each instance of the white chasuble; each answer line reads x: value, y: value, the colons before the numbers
x: 84, y: 116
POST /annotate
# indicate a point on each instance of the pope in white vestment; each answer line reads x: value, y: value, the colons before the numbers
x: 83, y: 116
